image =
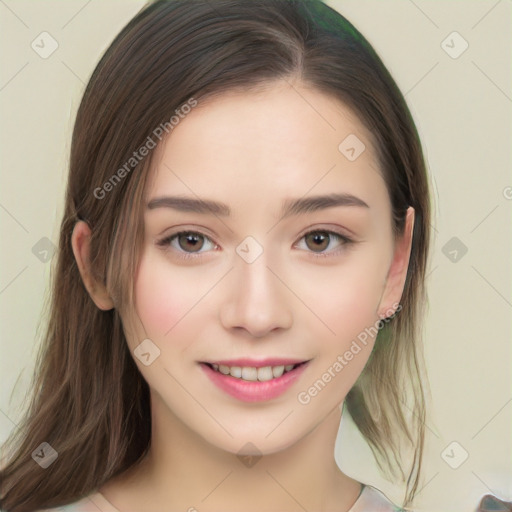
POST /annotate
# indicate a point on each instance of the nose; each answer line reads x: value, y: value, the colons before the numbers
x: 256, y: 300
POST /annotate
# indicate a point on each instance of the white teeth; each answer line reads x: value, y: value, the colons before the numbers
x: 265, y: 373
x: 224, y: 369
x: 277, y: 371
x: 251, y: 373
x: 236, y: 371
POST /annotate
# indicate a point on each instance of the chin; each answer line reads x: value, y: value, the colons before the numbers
x: 254, y: 442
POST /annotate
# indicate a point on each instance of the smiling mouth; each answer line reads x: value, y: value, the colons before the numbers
x: 253, y: 374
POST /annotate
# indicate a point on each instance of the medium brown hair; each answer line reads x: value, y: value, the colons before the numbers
x: 88, y: 400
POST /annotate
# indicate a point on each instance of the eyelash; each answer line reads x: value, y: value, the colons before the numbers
x: 165, y: 243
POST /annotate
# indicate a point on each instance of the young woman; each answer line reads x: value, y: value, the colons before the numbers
x: 242, y: 258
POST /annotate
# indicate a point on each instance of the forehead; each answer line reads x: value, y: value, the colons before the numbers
x: 285, y: 139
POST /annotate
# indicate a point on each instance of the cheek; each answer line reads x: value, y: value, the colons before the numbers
x: 349, y: 308
x: 163, y: 295
x: 346, y: 298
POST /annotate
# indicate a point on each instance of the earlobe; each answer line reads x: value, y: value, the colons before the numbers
x: 397, y: 274
x: 80, y: 242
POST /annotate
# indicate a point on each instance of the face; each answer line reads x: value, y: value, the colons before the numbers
x: 254, y: 279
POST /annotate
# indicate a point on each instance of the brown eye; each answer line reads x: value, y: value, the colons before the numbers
x: 317, y: 240
x: 190, y: 242
x: 187, y: 244
x: 323, y: 243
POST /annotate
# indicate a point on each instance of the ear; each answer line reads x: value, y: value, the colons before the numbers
x: 395, y: 280
x: 81, y: 241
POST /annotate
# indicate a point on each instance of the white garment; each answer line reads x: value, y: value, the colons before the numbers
x: 370, y: 500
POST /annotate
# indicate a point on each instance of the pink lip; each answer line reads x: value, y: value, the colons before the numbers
x: 276, y: 361
x: 254, y: 391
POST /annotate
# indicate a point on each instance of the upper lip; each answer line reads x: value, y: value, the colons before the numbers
x: 257, y: 363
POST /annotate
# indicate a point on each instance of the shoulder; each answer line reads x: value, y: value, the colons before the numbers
x: 92, y: 503
x: 372, y: 500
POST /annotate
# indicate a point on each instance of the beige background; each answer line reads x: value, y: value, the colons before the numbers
x: 462, y: 107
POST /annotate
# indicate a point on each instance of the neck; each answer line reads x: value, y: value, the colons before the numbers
x: 183, y: 471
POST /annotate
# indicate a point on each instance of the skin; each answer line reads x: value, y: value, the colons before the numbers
x: 252, y: 151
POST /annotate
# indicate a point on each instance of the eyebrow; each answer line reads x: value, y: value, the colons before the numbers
x: 290, y: 206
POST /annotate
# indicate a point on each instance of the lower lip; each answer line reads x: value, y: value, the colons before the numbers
x: 253, y: 391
